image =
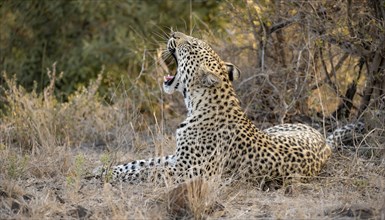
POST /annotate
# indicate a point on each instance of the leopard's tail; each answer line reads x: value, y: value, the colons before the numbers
x: 345, y: 135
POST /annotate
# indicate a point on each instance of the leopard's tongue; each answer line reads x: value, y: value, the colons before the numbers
x: 168, y: 78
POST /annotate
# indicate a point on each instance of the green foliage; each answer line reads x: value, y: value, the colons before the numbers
x: 74, y: 177
x: 79, y: 165
x: 106, y: 161
x: 84, y: 35
x: 16, y: 166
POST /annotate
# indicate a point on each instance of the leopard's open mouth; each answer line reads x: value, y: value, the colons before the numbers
x: 168, y: 80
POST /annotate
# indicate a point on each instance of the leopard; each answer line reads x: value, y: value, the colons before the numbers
x: 216, y: 138
x: 347, y: 135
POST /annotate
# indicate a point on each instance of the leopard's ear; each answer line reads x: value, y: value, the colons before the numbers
x: 233, y: 71
x: 208, y: 78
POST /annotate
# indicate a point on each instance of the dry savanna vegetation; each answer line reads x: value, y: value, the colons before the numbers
x: 316, y: 62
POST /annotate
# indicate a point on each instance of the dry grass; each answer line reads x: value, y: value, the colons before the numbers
x: 47, y: 148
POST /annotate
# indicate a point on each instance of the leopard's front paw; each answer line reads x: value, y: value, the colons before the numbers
x: 104, y: 173
x: 99, y: 171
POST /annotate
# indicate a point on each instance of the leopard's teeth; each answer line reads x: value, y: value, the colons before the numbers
x: 168, y: 78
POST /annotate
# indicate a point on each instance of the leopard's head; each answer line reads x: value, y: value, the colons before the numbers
x: 198, y: 66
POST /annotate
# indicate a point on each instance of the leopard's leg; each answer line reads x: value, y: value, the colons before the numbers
x: 153, y: 169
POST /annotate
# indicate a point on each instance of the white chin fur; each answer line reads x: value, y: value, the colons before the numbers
x: 168, y: 89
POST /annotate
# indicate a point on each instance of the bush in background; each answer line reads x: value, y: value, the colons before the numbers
x: 83, y: 36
